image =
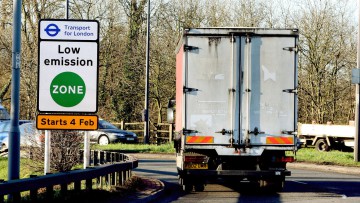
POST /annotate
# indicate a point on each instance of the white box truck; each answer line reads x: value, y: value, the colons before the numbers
x: 327, y: 136
x: 236, y: 105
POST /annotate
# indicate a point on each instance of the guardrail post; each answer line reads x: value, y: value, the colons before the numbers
x: 34, y: 192
x: 107, y: 157
x: 49, y: 192
x: 63, y: 189
x: 91, y: 161
x: 2, y: 196
x: 88, y: 184
x: 113, y: 157
x: 126, y: 175
x: 108, y: 179
x: 77, y: 186
x: 99, y: 182
x: 122, y: 176
x: 113, y: 178
x: 96, y: 158
x: 102, y: 157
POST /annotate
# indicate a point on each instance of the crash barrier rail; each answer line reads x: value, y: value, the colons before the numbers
x: 115, y: 171
x: 159, y: 132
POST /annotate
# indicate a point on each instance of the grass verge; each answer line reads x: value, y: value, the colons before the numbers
x: 25, y: 169
x: 333, y: 157
x: 137, y: 148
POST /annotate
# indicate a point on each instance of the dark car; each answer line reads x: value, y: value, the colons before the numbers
x: 108, y: 133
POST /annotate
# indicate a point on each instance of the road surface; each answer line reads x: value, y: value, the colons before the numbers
x: 303, y: 186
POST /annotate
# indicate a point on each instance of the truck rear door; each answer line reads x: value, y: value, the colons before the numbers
x: 268, y: 99
x: 208, y: 96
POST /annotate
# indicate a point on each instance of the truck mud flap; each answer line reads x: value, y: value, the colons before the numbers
x: 244, y: 173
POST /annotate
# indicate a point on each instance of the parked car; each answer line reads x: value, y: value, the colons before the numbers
x: 108, y: 133
x: 29, y: 135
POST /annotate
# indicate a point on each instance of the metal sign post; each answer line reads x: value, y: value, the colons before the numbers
x: 47, y: 152
x: 14, y: 135
x: 146, y: 111
x: 86, y: 149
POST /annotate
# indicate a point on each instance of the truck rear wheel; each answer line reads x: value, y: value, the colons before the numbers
x: 187, y: 187
x: 199, y: 187
x: 186, y: 184
x: 322, y: 145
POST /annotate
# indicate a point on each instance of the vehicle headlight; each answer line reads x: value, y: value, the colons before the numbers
x: 120, y: 135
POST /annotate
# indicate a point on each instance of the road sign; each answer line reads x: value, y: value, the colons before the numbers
x: 78, y: 30
x: 66, y: 122
x: 68, y: 66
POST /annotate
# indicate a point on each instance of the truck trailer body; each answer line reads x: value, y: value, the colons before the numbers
x: 236, y: 105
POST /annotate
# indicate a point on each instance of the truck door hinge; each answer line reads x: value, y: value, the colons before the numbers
x: 190, y: 48
x: 256, y: 131
x: 296, y: 49
x: 294, y: 91
x: 189, y: 89
x: 223, y: 132
x: 188, y: 131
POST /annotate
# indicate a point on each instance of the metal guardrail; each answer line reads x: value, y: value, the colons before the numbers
x: 116, y: 170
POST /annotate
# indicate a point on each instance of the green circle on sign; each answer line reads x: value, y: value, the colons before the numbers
x: 68, y: 89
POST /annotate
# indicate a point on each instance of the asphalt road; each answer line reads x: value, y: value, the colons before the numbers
x: 305, y: 185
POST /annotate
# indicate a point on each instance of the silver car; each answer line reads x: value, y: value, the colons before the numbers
x: 29, y: 135
x: 4, y: 115
x: 108, y: 133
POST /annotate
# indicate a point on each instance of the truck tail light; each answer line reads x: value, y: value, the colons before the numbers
x: 196, y: 159
x: 285, y: 159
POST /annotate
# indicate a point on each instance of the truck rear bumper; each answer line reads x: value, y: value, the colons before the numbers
x: 244, y: 173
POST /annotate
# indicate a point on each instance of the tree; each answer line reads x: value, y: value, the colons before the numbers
x: 65, y: 149
x: 327, y: 48
x: 5, y: 50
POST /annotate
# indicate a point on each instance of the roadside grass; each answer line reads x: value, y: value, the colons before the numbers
x: 25, y: 169
x: 332, y: 157
x: 136, y: 148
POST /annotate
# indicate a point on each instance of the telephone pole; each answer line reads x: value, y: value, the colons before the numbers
x: 357, y: 111
x: 146, y: 111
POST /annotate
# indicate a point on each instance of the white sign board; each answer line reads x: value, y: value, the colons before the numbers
x: 68, y: 30
x: 68, y: 66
